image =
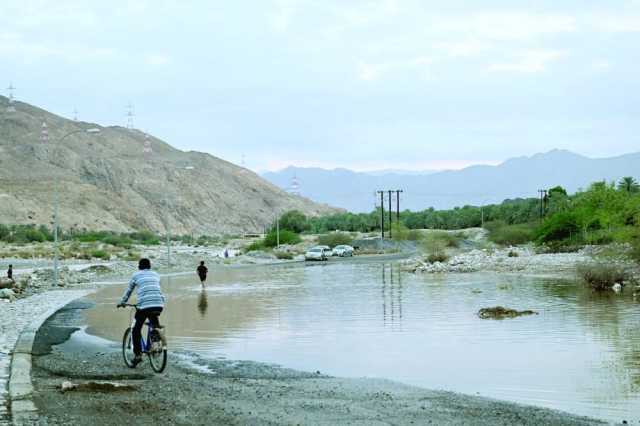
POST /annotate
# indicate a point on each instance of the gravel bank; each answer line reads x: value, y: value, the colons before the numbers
x: 513, y: 259
x: 231, y: 392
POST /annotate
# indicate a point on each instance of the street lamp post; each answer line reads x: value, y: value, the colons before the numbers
x: 56, y: 202
x: 166, y: 220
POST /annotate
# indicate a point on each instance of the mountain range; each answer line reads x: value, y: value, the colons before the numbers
x: 474, y: 185
x: 123, y: 180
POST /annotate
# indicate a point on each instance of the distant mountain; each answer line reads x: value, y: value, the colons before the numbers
x: 122, y: 180
x: 475, y: 185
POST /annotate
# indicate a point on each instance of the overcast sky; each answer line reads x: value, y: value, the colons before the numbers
x: 337, y: 83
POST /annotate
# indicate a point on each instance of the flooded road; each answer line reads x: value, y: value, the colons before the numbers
x: 368, y: 319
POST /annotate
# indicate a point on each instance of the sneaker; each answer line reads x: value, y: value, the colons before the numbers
x: 136, y: 360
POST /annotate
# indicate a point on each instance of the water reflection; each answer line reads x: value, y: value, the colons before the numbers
x: 203, y: 303
x: 391, y: 294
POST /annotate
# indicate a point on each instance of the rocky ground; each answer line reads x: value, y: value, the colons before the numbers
x: 515, y: 259
x: 242, y: 393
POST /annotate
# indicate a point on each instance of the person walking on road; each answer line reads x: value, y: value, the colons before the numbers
x: 10, y: 272
x: 202, y: 272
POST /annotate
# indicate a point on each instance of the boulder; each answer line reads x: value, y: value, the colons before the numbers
x: 7, y: 293
x: 499, y: 312
x: 7, y: 283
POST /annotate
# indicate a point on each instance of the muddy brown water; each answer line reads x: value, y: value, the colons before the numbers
x: 581, y: 354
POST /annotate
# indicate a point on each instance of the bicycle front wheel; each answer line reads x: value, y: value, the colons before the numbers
x: 127, y: 348
x: 158, y: 360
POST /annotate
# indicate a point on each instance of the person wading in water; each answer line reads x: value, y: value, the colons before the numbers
x: 202, y: 272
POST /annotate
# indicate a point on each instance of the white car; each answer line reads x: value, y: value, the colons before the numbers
x: 343, y: 251
x: 327, y: 250
x: 315, y: 253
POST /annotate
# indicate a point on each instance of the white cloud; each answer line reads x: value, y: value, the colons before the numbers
x: 505, y: 25
x: 617, y: 23
x: 462, y: 48
x: 371, y: 72
x: 157, y: 59
x: 601, y: 65
x: 533, y: 61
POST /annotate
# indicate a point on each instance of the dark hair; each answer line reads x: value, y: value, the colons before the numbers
x: 10, y: 266
x: 144, y: 264
x: 202, y: 262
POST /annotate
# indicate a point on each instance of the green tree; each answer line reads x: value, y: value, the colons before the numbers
x: 629, y: 185
x: 294, y: 221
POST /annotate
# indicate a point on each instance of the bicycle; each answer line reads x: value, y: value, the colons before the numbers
x: 152, y: 346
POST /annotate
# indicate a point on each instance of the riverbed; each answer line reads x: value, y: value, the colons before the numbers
x: 369, y: 319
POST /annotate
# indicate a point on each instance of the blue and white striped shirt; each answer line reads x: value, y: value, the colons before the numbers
x: 148, y: 292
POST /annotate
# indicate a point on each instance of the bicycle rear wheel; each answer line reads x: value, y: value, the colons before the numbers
x: 127, y: 348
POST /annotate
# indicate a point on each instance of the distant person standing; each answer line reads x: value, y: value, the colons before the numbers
x: 10, y: 272
x: 226, y: 253
x: 202, y: 272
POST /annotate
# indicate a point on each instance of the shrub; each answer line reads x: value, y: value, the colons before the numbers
x: 602, y: 276
x: 402, y: 233
x: 256, y: 246
x: 118, y: 240
x: 511, y: 235
x: 437, y: 257
x: 435, y: 246
x: 100, y: 254
x: 335, y: 239
x: 286, y: 237
x: 285, y: 255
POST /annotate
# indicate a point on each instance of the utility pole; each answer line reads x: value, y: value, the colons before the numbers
x: 277, y: 231
x: 398, y: 191
x: 382, y: 211
x: 543, y: 196
x: 390, y: 214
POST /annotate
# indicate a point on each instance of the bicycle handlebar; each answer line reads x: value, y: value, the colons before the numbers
x: 128, y: 305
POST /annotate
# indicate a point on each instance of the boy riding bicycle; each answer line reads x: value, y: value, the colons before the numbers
x: 150, y: 302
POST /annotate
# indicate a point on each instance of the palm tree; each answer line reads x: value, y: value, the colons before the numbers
x: 628, y: 184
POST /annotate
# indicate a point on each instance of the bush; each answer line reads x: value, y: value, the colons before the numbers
x: 435, y: 246
x: 511, y: 235
x: 284, y: 255
x: 402, y: 233
x: 602, y: 276
x: 256, y: 246
x: 335, y: 239
x: 118, y: 240
x: 286, y: 237
x: 100, y: 254
x: 437, y: 257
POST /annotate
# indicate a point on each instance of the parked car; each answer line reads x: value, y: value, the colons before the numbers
x: 315, y: 253
x: 343, y: 251
x: 327, y: 250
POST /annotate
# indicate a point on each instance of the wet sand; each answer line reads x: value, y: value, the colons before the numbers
x: 205, y: 392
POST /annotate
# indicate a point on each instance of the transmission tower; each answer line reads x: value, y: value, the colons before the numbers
x: 75, y: 114
x: 11, y: 107
x: 147, y: 149
x: 130, y: 114
x: 44, y: 134
x: 295, y: 185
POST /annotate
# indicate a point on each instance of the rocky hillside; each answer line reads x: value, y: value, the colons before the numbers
x: 110, y: 181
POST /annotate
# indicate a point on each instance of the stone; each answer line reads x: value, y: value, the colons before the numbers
x: 7, y: 293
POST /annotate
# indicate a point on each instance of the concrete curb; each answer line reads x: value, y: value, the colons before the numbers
x: 22, y: 410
